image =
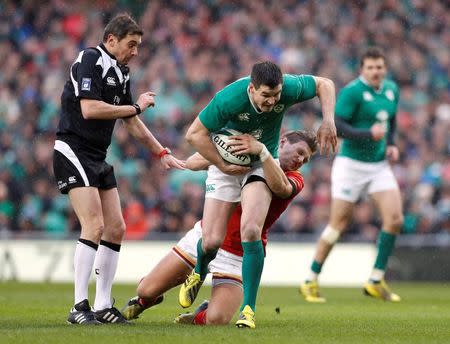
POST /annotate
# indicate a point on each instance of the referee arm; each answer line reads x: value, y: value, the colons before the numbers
x: 98, y: 109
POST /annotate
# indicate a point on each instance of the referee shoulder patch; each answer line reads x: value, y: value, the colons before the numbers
x: 86, y: 84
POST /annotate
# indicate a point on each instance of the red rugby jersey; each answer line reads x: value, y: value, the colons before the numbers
x: 232, y: 242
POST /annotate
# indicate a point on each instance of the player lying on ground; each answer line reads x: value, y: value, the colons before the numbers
x: 296, y: 148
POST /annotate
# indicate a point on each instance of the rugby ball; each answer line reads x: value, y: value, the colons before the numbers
x: 220, y: 140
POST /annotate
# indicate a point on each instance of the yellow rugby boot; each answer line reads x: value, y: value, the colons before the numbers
x: 310, y: 291
x: 380, y: 290
x: 246, y: 318
x: 189, y: 289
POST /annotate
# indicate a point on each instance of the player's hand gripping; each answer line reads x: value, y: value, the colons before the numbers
x: 327, y: 137
x: 245, y: 144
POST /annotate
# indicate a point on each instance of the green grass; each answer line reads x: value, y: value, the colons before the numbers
x: 36, y: 313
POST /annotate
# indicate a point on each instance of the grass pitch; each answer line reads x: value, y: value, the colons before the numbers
x: 36, y: 313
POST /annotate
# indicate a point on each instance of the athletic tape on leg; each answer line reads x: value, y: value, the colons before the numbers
x: 330, y: 235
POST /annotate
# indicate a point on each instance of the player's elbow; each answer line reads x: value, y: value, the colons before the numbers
x: 281, y: 191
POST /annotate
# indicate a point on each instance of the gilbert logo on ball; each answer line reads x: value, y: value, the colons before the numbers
x: 220, y: 140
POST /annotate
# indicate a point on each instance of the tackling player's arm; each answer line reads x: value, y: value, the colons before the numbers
x: 275, y: 178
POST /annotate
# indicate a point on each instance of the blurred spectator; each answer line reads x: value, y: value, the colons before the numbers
x: 195, y: 48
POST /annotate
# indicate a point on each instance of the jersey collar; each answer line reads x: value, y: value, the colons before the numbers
x: 365, y: 82
x: 251, y: 101
x: 113, y: 58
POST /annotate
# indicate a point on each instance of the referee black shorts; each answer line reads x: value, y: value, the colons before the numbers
x: 75, y: 167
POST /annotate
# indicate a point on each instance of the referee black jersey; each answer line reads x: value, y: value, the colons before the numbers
x: 95, y: 74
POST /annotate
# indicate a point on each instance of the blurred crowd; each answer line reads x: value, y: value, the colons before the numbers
x: 190, y: 50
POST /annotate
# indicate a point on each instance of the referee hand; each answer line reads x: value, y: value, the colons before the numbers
x: 146, y: 100
x: 169, y: 161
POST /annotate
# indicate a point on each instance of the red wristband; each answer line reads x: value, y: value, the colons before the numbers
x: 164, y: 152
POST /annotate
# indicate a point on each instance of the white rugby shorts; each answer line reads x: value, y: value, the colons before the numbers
x: 225, y: 268
x: 227, y: 188
x: 351, y: 179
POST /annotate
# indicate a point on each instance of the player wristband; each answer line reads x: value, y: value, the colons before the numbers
x: 164, y: 152
x: 138, y: 108
x: 264, y: 155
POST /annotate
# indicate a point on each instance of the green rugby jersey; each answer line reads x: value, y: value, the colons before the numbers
x: 361, y: 106
x: 231, y: 108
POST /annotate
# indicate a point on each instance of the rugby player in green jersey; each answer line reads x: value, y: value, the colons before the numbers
x: 253, y: 105
x: 365, y: 119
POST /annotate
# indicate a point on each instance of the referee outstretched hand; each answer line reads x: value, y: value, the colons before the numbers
x: 169, y: 161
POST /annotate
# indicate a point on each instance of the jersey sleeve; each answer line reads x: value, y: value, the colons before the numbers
x: 297, y: 182
x: 89, y: 75
x: 306, y: 87
x: 213, y: 116
x: 346, y: 103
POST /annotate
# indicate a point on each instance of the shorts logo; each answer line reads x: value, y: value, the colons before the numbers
x: 367, y: 96
x: 347, y: 192
x: 61, y: 185
x: 72, y: 180
x: 111, y: 81
x: 278, y: 108
x: 210, y: 188
x: 86, y: 84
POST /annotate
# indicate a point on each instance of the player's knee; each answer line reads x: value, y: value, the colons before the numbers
x: 395, y: 223
x: 330, y: 235
x: 217, y: 318
x: 117, y: 230
x: 250, y: 232
x: 211, y: 243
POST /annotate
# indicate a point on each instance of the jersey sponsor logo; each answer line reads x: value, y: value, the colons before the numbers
x: 390, y: 95
x: 86, y: 84
x: 278, y: 108
x: 111, y: 81
x: 210, y: 188
x: 367, y: 96
x: 72, y: 180
x: 245, y: 117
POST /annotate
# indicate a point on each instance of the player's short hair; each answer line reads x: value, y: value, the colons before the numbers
x: 120, y: 26
x: 309, y: 137
x: 266, y: 73
x: 372, y: 53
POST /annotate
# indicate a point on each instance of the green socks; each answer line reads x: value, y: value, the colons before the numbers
x: 252, y: 267
x: 385, y: 244
x: 203, y: 259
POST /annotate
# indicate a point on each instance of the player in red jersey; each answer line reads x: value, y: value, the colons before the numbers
x: 285, y: 181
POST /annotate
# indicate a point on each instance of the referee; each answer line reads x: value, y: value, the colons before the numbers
x: 96, y: 94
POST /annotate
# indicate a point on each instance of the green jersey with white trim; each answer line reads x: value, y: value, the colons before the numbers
x: 361, y: 106
x: 232, y: 108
